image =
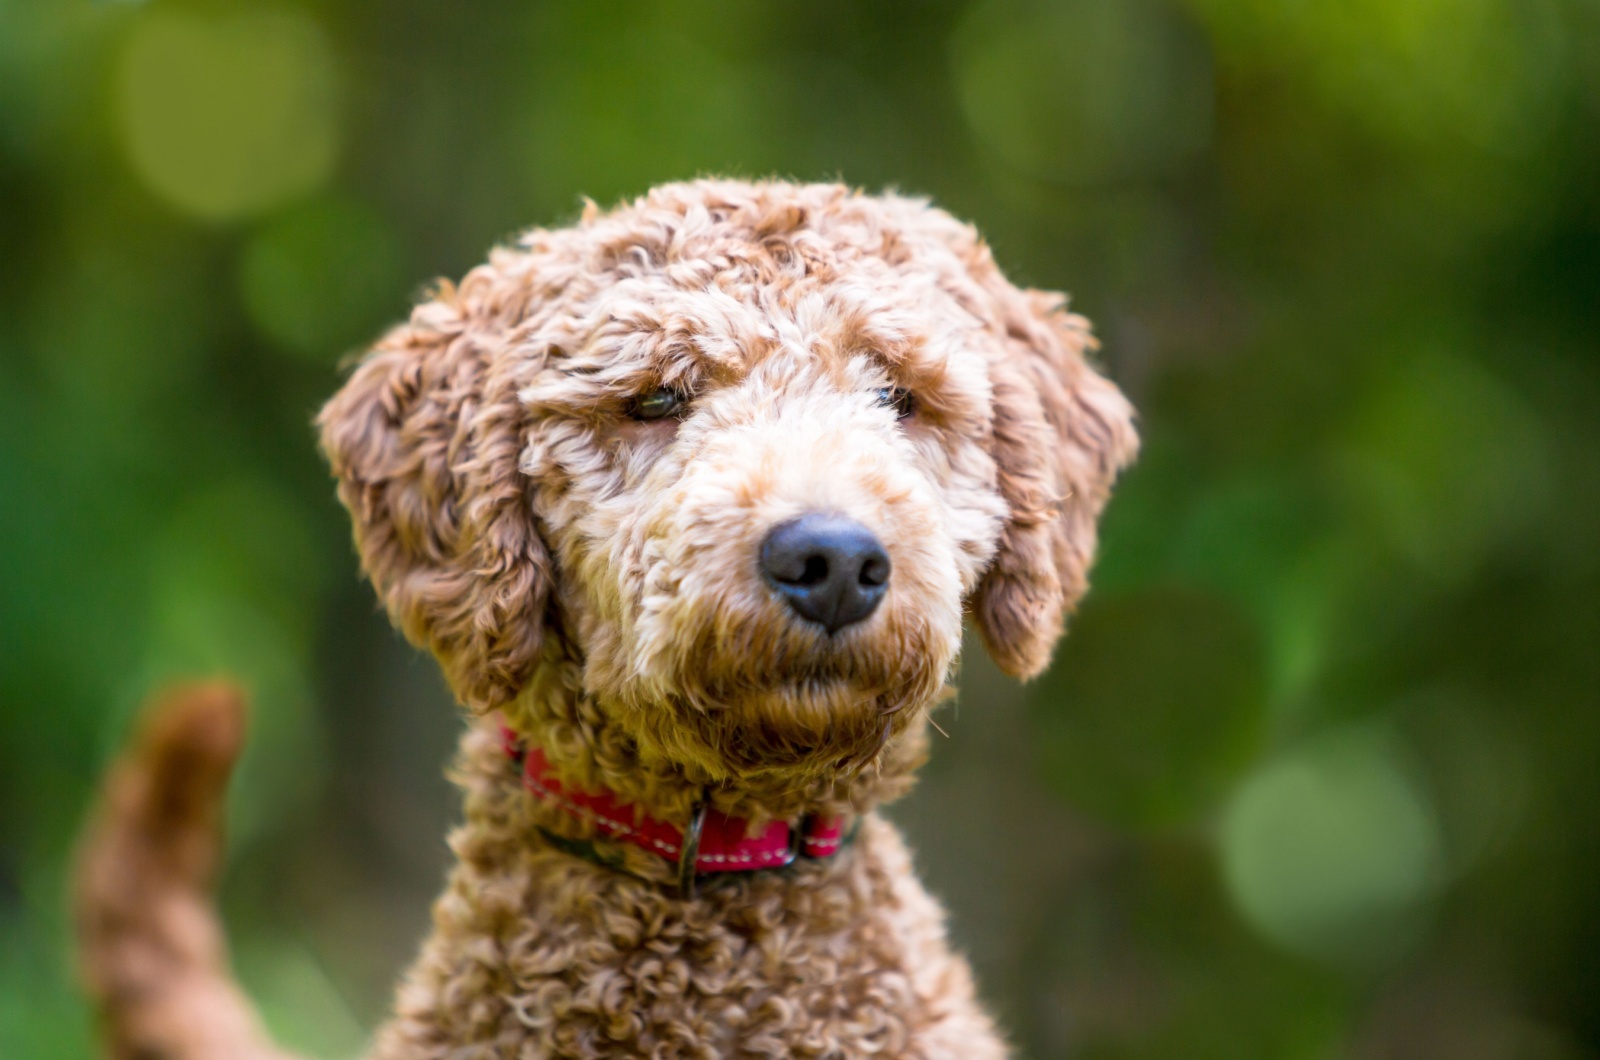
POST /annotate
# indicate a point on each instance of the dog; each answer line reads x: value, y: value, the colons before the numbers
x: 689, y: 500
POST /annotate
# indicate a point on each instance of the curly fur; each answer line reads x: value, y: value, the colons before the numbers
x: 592, y: 579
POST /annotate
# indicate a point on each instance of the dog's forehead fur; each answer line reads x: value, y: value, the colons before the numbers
x: 499, y: 490
x: 699, y: 285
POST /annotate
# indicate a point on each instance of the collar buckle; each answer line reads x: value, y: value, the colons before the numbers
x: 689, y: 849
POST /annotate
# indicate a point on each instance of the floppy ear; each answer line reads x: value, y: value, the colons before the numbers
x: 424, y: 439
x: 1061, y: 434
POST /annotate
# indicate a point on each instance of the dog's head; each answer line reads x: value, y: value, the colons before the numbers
x: 738, y: 455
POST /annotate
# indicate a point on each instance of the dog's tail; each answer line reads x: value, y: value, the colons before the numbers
x: 151, y: 946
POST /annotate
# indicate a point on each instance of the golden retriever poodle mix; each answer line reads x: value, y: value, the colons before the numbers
x: 689, y: 500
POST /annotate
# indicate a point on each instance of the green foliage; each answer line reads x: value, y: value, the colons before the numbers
x: 1154, y: 707
x: 1314, y: 773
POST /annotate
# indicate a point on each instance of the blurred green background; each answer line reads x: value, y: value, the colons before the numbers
x: 1317, y: 774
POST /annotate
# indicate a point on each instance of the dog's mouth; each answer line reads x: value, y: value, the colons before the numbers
x: 832, y: 707
x: 850, y: 668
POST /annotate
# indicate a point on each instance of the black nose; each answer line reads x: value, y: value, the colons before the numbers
x: 829, y: 569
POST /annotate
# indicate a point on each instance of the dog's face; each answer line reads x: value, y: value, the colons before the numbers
x: 743, y: 455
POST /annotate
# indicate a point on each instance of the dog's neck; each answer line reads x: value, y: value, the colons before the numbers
x: 590, y: 750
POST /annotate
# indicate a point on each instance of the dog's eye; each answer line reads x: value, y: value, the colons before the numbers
x: 656, y: 404
x: 903, y: 402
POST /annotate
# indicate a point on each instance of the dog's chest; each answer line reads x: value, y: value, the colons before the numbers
x: 845, y: 961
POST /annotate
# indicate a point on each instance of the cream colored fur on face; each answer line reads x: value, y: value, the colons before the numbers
x: 594, y: 579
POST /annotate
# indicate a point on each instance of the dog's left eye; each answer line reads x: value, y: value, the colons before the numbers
x: 903, y: 402
x: 656, y: 404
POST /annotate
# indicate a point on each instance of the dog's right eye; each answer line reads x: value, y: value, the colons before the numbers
x: 657, y: 404
x: 903, y: 402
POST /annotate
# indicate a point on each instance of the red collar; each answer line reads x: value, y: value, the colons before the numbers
x: 719, y: 843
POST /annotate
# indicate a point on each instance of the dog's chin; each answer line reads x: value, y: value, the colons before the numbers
x: 819, y: 723
x: 818, y: 718
x: 802, y: 725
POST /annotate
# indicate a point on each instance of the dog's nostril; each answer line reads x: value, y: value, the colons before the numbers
x: 816, y: 571
x: 829, y: 569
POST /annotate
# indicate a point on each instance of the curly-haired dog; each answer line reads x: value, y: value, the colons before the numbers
x: 689, y: 501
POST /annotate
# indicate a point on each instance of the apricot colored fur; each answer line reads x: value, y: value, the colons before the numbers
x: 154, y: 959
x: 592, y: 579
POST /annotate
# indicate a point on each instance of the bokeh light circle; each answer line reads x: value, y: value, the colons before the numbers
x: 1332, y: 850
x: 227, y: 116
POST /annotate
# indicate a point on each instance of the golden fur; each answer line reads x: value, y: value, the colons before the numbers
x: 593, y: 579
x: 154, y: 956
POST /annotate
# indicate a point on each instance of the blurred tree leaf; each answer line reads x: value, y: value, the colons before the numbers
x: 323, y: 277
x: 1083, y: 91
x: 1154, y: 705
x: 1445, y: 460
